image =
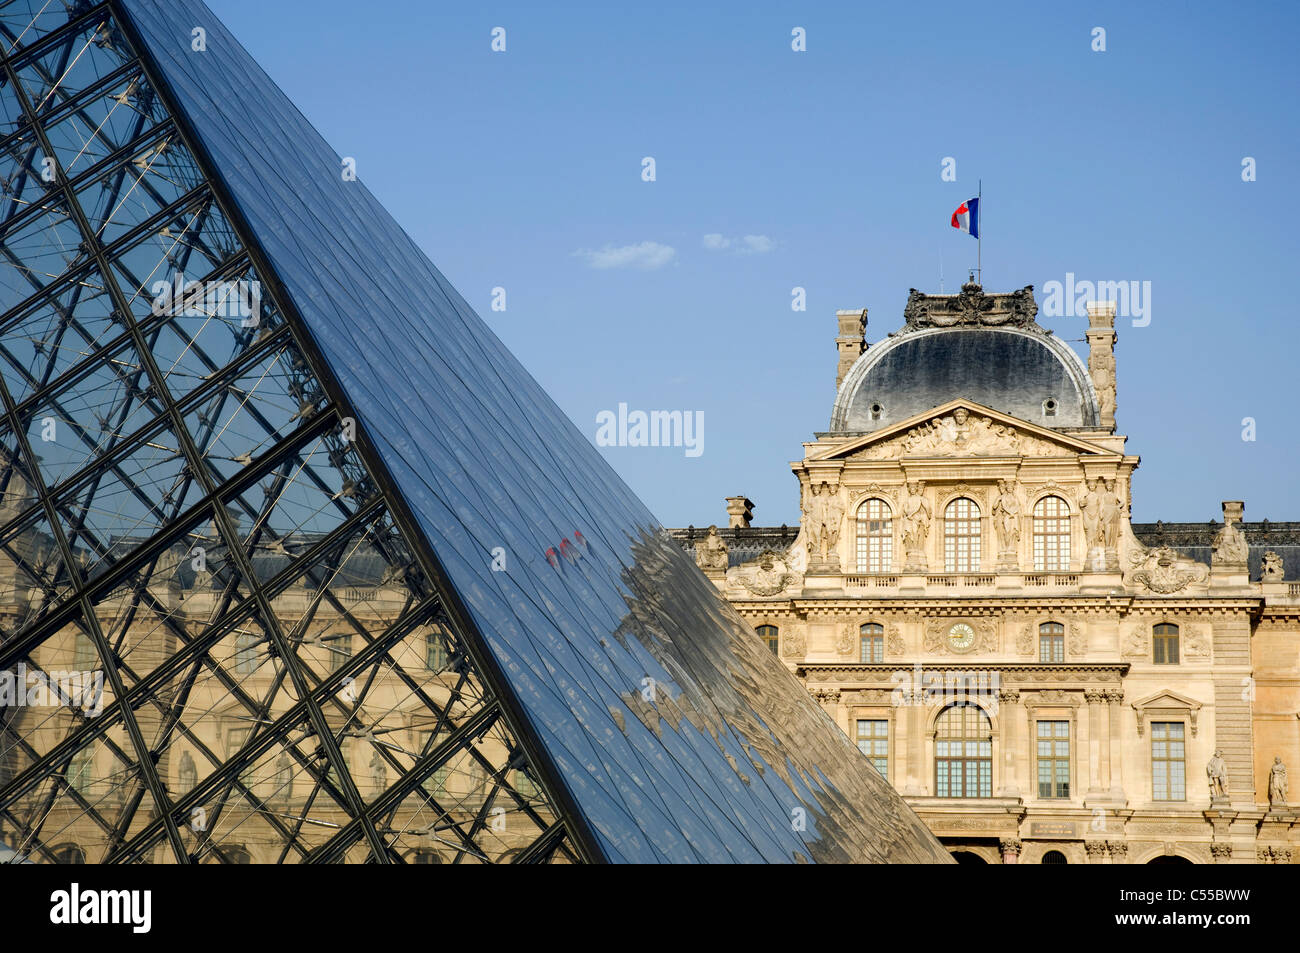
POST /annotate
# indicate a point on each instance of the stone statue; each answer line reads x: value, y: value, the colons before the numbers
x: 711, y: 552
x: 1101, y: 364
x: 1109, y: 517
x: 1006, y: 514
x: 916, y: 523
x: 829, y: 514
x: 1230, y: 548
x: 821, y: 511
x: 1090, y: 506
x: 189, y: 773
x: 378, y: 771
x: 283, y: 778
x: 1277, y: 784
x: 1271, y: 568
x: 1217, y: 772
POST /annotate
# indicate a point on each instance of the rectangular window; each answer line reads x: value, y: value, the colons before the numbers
x: 435, y: 652
x: 871, y: 642
x: 1053, y: 759
x: 873, y: 741
x: 1168, y: 767
x: 1164, y: 645
x: 1051, y: 642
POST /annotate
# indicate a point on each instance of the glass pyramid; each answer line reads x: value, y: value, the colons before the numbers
x: 297, y: 562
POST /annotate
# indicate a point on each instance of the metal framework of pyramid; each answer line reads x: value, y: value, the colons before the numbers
x: 297, y: 562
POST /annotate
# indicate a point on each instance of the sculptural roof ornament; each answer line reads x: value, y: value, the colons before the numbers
x: 1012, y: 309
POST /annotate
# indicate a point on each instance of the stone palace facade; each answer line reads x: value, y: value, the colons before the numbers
x: 1043, y: 680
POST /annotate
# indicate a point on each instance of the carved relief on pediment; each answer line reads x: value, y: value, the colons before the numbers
x: 962, y: 434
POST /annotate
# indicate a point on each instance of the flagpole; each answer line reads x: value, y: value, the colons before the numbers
x: 979, y: 240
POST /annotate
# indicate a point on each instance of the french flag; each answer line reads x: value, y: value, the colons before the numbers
x: 967, y: 217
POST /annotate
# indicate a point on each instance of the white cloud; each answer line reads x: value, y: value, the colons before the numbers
x: 746, y: 245
x: 647, y: 256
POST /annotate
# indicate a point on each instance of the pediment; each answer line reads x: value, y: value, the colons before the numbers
x: 1166, y: 704
x: 1167, y: 700
x: 962, y: 428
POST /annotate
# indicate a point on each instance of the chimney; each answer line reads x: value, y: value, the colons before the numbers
x: 1101, y: 358
x: 850, y: 341
x: 740, y: 510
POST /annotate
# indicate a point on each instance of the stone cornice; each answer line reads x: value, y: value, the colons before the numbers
x: 1024, y: 671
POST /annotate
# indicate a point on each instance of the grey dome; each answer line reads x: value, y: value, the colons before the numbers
x: 1015, y: 371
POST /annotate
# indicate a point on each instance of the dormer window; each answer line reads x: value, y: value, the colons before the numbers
x: 877, y: 411
x: 1049, y: 407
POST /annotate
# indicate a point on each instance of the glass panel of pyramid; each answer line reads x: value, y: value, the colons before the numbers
x: 297, y: 563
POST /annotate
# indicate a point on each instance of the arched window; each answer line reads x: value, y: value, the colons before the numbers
x: 875, y: 536
x: 961, y: 536
x: 1051, y: 535
x: 1051, y: 642
x: 771, y: 638
x: 963, y: 753
x: 1054, y: 857
x: 1164, y: 644
x: 871, y: 642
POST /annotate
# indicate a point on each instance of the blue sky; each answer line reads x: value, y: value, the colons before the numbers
x: 510, y: 168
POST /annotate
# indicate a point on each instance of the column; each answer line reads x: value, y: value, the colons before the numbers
x: 1010, y: 850
x: 1094, y: 698
x: 1114, y: 698
x: 1009, y: 715
x: 916, y: 768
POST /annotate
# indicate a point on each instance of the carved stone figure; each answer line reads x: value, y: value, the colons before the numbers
x: 1109, y: 517
x: 1277, y: 784
x: 962, y: 434
x: 1271, y: 567
x: 378, y: 771
x: 1101, y: 366
x: 822, y: 522
x: 1090, y: 506
x: 711, y: 552
x: 283, y: 778
x: 189, y: 775
x: 1230, y: 548
x: 1006, y: 516
x: 916, y: 525
x: 1217, y: 773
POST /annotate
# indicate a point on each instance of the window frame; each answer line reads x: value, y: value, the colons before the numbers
x: 1050, y: 534
x: 874, y: 543
x: 982, y: 763
x: 963, y: 534
x: 1161, y: 733
x: 1054, y: 758
x: 1164, y: 636
x: 1052, y: 639
x: 876, y: 741
x: 871, y: 643
x: 771, y: 636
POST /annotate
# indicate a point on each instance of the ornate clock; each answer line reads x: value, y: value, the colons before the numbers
x: 961, y: 637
